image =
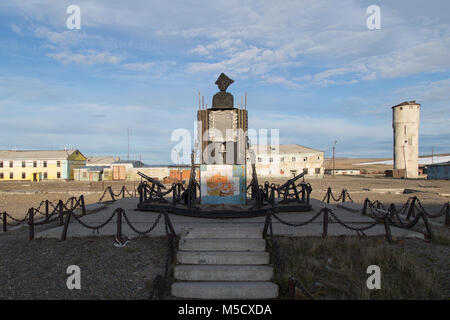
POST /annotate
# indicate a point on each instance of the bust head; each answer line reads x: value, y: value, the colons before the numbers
x: 223, y: 82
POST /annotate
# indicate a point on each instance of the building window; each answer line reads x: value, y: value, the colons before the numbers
x: 84, y: 174
x: 11, y: 164
x: 45, y: 164
x: 34, y: 164
x: 282, y: 159
x: 270, y: 159
x: 24, y: 164
x: 24, y: 175
x: 11, y: 175
x: 317, y: 170
x: 293, y: 159
x: 318, y: 158
x: 58, y: 175
x: 45, y: 175
x: 1, y: 164
x: 305, y: 170
x: 305, y: 159
x: 259, y: 159
x: 1, y: 175
x: 58, y: 164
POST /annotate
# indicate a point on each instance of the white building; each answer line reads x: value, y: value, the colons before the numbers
x: 287, y: 161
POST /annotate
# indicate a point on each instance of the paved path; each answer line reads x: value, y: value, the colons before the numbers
x: 143, y: 220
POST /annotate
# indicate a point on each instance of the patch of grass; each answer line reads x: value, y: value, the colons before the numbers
x: 335, y: 268
x: 441, y: 236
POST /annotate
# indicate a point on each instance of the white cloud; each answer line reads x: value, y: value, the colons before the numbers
x: 16, y: 29
x: 87, y: 58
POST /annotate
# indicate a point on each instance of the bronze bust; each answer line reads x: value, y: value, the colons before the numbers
x: 223, y: 99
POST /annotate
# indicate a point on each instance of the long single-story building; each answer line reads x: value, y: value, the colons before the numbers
x: 36, y: 165
x: 438, y: 171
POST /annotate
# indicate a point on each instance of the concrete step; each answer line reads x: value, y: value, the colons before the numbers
x: 222, y: 244
x: 223, y: 272
x: 225, y: 290
x: 223, y: 257
x: 223, y: 232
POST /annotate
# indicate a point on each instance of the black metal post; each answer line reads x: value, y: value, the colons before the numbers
x: 325, y: 223
x: 61, y: 212
x: 343, y: 195
x: 388, y: 229
x: 411, y: 208
x: 364, y: 210
x: 31, y: 224
x: 119, y: 225
x: 46, y: 210
x: 429, y: 235
x: 447, y: 215
x: 83, y: 208
x: 328, y: 194
x: 66, y: 226
x: 4, y: 217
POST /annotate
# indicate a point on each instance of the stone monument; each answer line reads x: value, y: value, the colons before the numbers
x: 222, y: 137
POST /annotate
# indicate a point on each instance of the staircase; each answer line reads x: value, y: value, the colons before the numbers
x: 223, y: 262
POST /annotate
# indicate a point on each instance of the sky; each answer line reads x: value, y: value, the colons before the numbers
x: 312, y: 69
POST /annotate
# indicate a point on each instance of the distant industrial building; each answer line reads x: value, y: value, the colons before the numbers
x: 343, y: 172
x: 438, y: 171
x: 36, y: 165
x: 405, y: 123
x: 287, y: 161
x: 101, y: 161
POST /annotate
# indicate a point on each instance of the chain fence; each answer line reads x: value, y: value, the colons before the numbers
x: 48, y: 211
x: 400, y: 218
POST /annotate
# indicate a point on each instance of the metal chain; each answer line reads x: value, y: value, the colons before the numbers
x: 136, y: 230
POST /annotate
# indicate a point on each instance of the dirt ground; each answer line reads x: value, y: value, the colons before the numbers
x: 17, y: 197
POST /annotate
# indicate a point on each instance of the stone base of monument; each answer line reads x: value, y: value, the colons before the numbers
x: 223, y: 210
x: 223, y: 263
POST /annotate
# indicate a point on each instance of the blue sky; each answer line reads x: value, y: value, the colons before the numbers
x: 311, y: 69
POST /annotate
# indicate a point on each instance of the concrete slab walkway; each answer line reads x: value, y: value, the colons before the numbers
x: 182, y: 224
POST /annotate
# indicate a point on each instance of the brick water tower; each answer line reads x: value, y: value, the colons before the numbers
x: 405, y: 122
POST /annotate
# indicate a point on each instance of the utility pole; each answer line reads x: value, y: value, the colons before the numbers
x: 334, y: 163
x: 432, y: 154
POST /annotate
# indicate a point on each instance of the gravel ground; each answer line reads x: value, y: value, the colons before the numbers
x: 37, y: 269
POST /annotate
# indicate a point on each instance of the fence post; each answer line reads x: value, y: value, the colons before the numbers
x: 71, y: 203
x: 123, y: 192
x: 66, y: 226
x: 343, y: 195
x: 429, y: 235
x: 266, y: 224
x: 31, y: 224
x: 328, y: 194
x: 364, y: 210
x: 411, y: 208
x: 169, y: 223
x: 447, y: 215
x: 83, y: 208
x: 388, y: 229
x: 46, y: 210
x: 119, y: 226
x: 325, y: 223
x: 61, y: 212
x: 4, y: 221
